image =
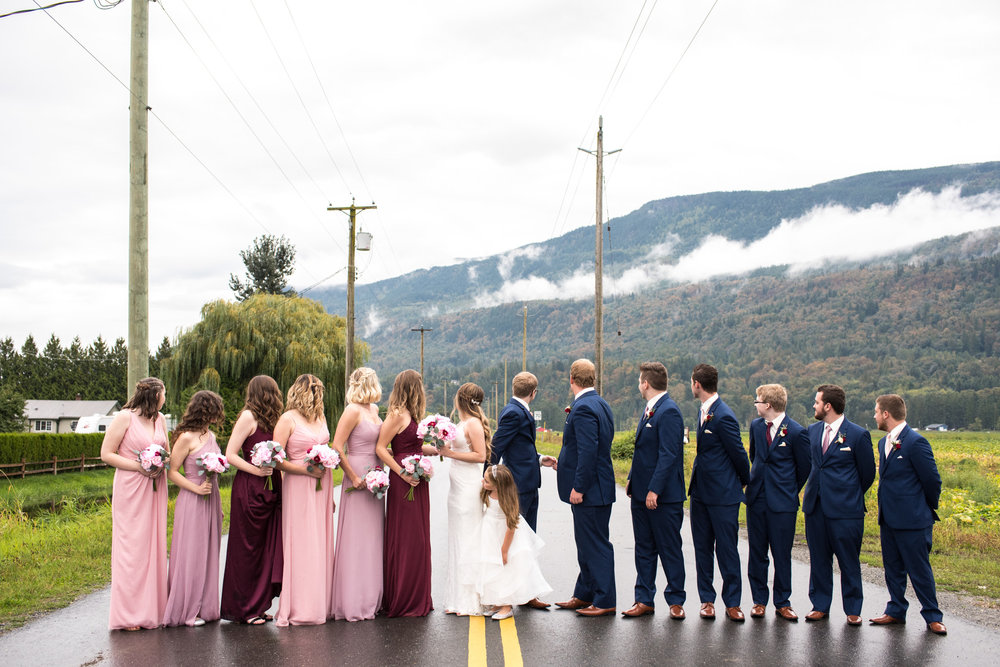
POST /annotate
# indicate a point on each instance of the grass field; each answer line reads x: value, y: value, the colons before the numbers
x: 966, y: 554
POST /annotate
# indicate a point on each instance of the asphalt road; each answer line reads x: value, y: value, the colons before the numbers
x: 78, y: 635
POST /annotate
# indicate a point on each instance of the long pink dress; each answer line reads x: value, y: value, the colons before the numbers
x: 307, y: 528
x: 357, y: 574
x: 138, y: 536
x: 193, y: 583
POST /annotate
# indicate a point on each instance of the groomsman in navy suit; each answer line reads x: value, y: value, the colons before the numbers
x: 586, y: 480
x: 843, y: 469
x: 721, y: 469
x: 909, y: 488
x: 779, y: 454
x: 514, y: 444
x: 656, y: 487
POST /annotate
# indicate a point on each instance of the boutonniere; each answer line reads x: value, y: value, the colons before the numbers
x: 783, y: 430
x: 895, y: 444
x: 708, y: 417
x: 649, y: 412
x: 840, y: 438
x: 567, y: 409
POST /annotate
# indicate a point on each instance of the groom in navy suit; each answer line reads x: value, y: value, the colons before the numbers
x: 656, y: 487
x: 908, y: 492
x: 586, y: 480
x: 514, y: 444
x: 843, y: 469
x: 720, y: 471
x: 779, y: 454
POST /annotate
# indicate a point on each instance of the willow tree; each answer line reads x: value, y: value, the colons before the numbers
x: 264, y: 335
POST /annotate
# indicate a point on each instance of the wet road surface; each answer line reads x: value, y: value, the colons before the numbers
x: 78, y: 635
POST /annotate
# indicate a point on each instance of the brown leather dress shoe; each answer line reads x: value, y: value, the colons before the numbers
x: 854, y: 620
x: 757, y: 611
x: 886, y: 619
x: 535, y: 603
x: 573, y: 603
x: 638, y: 609
x: 735, y: 614
x: 937, y: 627
x: 816, y: 616
x: 787, y: 613
x: 707, y: 611
x: 595, y: 611
x: 677, y: 612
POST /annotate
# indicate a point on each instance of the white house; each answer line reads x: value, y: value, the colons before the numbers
x: 63, y: 416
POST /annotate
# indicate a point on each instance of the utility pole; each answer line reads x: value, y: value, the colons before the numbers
x: 138, y: 205
x: 351, y: 275
x: 524, y: 343
x: 421, y: 329
x: 445, y: 411
x: 505, y: 382
x: 496, y: 402
x: 599, y: 260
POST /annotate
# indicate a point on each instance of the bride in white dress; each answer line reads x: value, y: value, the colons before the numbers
x: 468, y: 452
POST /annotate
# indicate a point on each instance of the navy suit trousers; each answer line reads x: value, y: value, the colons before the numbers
x: 907, y: 552
x: 828, y: 537
x: 528, y: 503
x: 716, y: 528
x: 774, y: 531
x: 595, y: 554
x: 658, y: 534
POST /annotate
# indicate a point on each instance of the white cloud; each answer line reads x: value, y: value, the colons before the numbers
x: 373, y: 323
x: 505, y: 262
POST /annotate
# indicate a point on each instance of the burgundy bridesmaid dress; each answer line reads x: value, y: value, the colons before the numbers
x: 407, y: 587
x: 253, y: 555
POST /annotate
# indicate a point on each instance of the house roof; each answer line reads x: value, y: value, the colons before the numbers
x: 68, y: 409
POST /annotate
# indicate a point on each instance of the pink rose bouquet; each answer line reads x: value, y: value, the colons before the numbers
x: 419, y: 467
x: 436, y: 430
x: 322, y: 456
x: 267, y: 454
x: 154, y: 456
x: 377, y: 482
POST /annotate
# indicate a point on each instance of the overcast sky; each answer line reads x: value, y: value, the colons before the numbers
x: 462, y: 122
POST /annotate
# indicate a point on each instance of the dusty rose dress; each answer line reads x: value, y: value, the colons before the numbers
x: 138, y: 536
x: 193, y: 584
x: 307, y: 527
x: 357, y: 575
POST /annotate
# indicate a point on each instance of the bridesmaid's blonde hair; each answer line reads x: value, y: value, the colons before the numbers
x: 364, y: 387
x: 408, y: 395
x: 469, y: 399
x: 306, y: 396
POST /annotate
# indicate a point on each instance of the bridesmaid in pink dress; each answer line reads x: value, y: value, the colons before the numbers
x: 357, y: 574
x: 193, y: 582
x: 407, y: 580
x: 307, y: 523
x: 138, y: 512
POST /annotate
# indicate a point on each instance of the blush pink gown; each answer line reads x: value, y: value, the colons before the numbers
x: 307, y: 528
x: 193, y: 582
x: 138, y: 536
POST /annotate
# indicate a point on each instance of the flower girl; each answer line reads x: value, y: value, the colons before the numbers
x: 508, y: 572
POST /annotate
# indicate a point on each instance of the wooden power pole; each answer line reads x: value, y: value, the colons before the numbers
x: 138, y: 235
x: 351, y: 276
x: 524, y: 343
x: 421, y: 329
x: 599, y: 260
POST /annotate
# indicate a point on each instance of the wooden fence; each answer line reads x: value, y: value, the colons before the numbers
x: 53, y: 466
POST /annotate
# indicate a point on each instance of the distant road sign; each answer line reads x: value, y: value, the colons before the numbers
x: 538, y: 415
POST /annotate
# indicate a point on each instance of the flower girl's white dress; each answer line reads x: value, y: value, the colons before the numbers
x: 520, y: 580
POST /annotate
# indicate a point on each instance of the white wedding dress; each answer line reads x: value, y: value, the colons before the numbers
x: 465, y: 515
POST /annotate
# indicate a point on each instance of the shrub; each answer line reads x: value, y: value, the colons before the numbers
x: 623, y: 445
x: 43, y: 446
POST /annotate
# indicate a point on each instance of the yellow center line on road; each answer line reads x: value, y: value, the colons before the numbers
x: 511, y: 646
x: 477, y: 641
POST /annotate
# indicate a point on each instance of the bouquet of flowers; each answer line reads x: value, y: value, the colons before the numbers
x: 323, y: 456
x: 154, y: 456
x: 377, y: 482
x: 267, y: 454
x: 211, y: 463
x: 419, y: 467
x: 436, y: 430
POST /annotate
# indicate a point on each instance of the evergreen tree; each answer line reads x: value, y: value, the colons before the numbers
x: 269, y: 263
x: 11, y: 410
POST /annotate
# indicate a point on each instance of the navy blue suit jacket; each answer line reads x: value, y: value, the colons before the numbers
x: 514, y: 443
x: 721, y: 468
x: 909, y: 485
x: 842, y: 476
x: 658, y: 457
x: 778, y: 470
x: 585, y: 457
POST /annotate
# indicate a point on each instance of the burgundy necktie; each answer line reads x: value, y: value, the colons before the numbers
x: 768, y: 432
x: 826, y: 439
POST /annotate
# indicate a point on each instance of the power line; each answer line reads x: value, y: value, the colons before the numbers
x: 39, y: 8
